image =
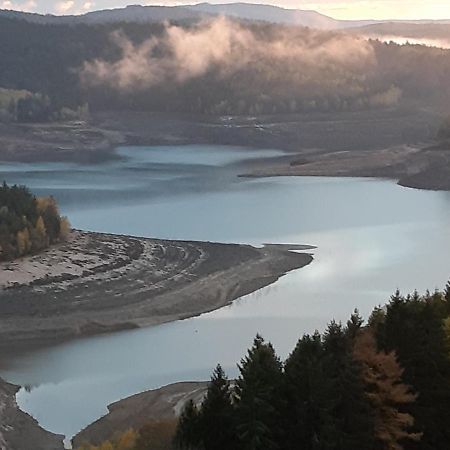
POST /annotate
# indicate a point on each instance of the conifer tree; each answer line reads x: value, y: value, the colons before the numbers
x: 188, y: 429
x: 216, y: 418
x: 447, y: 297
x: 258, y: 398
x: 307, y: 418
x: 352, y: 416
x: 354, y: 325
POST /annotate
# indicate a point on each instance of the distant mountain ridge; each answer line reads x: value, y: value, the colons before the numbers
x: 269, y: 13
x: 132, y: 13
x: 248, y: 11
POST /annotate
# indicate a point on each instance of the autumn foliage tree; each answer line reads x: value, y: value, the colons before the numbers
x: 414, y: 327
x: 28, y: 224
x: 382, y: 376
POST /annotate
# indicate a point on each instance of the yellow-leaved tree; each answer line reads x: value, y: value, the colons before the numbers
x: 23, y: 241
x: 65, y: 228
x: 40, y: 241
x: 124, y: 441
x: 127, y: 440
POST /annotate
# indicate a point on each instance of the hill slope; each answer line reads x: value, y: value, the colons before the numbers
x: 248, y: 11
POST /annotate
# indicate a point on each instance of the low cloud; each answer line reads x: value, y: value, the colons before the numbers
x: 403, y: 40
x: 226, y: 47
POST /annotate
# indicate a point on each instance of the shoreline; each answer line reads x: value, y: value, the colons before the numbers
x: 99, y: 283
x: 417, y: 167
x: 398, y: 144
x: 20, y: 431
x: 164, y: 403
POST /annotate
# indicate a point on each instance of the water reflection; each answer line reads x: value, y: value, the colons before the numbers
x: 372, y: 237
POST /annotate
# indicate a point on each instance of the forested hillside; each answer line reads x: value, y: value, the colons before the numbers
x: 220, y: 66
x: 28, y: 224
x: 380, y: 386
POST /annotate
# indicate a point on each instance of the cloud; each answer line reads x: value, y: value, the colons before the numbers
x: 403, y: 40
x: 87, y: 6
x: 27, y: 6
x: 224, y: 46
x: 376, y: 9
x: 64, y: 6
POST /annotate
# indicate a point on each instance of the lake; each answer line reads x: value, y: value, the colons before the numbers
x: 372, y: 237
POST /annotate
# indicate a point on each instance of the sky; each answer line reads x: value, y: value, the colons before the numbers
x: 339, y: 9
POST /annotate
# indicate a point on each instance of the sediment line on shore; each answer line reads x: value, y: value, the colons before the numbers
x: 97, y: 283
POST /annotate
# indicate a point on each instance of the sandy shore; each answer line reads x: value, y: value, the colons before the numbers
x: 97, y: 283
x: 18, y: 430
x: 133, y: 412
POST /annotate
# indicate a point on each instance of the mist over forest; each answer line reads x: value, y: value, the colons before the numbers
x: 215, y: 66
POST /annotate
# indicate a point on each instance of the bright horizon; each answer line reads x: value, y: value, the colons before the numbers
x: 338, y: 9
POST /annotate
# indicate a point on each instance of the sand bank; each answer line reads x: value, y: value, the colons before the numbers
x: 97, y: 283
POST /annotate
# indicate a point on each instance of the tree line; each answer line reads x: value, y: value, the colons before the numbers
x: 28, y: 224
x: 46, y: 60
x: 24, y: 106
x: 384, y: 385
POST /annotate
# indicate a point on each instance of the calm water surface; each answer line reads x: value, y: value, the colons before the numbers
x: 372, y: 237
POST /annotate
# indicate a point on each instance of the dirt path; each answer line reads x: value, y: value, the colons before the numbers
x: 98, y: 283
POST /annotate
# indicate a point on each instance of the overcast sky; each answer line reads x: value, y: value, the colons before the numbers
x: 351, y: 9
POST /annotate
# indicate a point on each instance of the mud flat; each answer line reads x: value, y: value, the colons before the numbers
x: 97, y: 283
x: 18, y: 430
x: 416, y: 166
x: 392, y: 143
x: 135, y: 411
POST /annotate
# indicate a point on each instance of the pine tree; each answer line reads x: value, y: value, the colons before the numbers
x: 188, y: 428
x: 307, y: 418
x: 447, y: 297
x: 352, y: 416
x: 258, y: 398
x: 354, y: 325
x: 216, y: 418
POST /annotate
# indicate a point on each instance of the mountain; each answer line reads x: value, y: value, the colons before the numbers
x: 137, y: 13
x: 133, y: 13
x: 269, y: 13
x: 247, y: 11
x: 312, y: 19
x: 413, y: 30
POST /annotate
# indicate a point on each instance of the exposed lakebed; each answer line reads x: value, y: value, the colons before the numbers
x: 372, y: 237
